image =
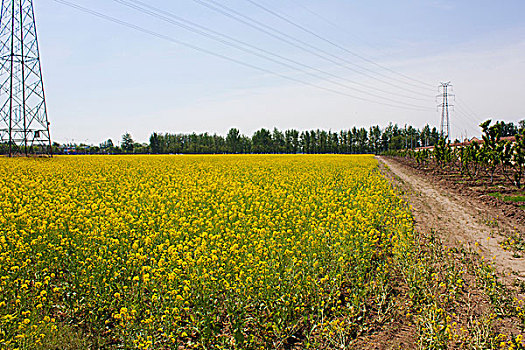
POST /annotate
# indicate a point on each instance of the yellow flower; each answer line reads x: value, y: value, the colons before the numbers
x: 240, y: 238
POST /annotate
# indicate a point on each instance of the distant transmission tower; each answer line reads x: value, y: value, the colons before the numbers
x: 24, y: 126
x: 445, y: 113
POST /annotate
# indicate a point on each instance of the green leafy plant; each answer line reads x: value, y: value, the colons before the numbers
x: 442, y: 153
x: 493, y: 148
x: 517, y: 158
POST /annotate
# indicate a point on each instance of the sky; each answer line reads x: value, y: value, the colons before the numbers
x: 341, y: 64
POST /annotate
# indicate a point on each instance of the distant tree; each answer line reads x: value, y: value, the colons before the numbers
x: 412, y: 137
x: 304, y: 139
x: 233, y: 141
x: 521, y: 126
x: 343, y: 142
x: 278, y: 142
x: 155, y: 143
x: 291, y: 141
x: 219, y: 144
x: 56, y: 148
x: 434, y: 137
x: 397, y: 142
x: 425, y: 136
x: 106, y: 144
x: 362, y: 141
x: 246, y: 144
x: 141, y: 148
x: 375, y: 139
x: 93, y: 149
x: 82, y: 149
x: 356, y: 140
x: 333, y: 142
x: 127, y: 143
x: 262, y: 141
x: 321, y: 137
x: 492, y: 148
x: 173, y: 143
x: 508, y: 129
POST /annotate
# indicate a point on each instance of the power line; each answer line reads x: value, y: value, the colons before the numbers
x: 336, y: 26
x: 468, y: 109
x: 355, y: 36
x: 203, y: 50
x: 303, y: 28
x: 472, y: 117
x: 462, y: 110
x: 206, y: 29
x: 201, y: 30
x: 305, y: 46
x: 235, y: 15
x: 472, y: 126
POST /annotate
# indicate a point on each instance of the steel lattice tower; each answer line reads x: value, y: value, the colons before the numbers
x: 24, y: 125
x: 445, y: 113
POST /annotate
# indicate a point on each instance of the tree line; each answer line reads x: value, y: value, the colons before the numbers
x: 374, y: 139
x: 264, y: 141
x: 352, y: 141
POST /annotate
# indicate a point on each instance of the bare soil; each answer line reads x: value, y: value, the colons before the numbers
x: 464, y: 221
x: 462, y: 218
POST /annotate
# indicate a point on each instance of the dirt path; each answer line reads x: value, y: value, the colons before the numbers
x: 459, y: 220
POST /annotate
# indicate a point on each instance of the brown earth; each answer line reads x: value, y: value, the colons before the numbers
x: 462, y: 219
x: 480, y: 189
x: 465, y: 222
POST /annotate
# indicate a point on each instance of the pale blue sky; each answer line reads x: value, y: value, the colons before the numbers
x: 103, y: 79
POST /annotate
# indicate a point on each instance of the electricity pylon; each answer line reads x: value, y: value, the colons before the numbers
x: 24, y: 126
x: 445, y: 113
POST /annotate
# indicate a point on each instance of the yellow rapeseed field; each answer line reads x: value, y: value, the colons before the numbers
x: 194, y: 251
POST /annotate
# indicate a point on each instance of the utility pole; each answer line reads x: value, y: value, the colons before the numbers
x: 445, y: 114
x: 24, y: 125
